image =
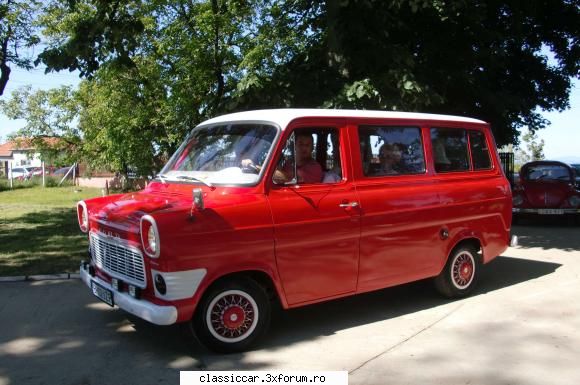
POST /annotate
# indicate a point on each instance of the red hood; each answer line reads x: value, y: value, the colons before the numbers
x: 548, y: 194
x: 125, y: 212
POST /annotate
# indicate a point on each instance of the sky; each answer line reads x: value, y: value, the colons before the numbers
x: 561, y: 138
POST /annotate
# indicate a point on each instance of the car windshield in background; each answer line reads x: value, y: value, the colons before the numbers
x: 547, y: 172
x: 222, y: 154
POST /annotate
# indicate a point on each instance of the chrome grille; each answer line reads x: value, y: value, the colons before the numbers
x: 118, y: 259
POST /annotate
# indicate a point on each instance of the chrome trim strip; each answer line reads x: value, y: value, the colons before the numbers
x: 536, y: 211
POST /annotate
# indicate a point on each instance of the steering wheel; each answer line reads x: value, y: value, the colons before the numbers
x: 250, y: 168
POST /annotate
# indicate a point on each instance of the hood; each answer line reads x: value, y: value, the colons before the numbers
x: 547, y: 194
x: 124, y: 213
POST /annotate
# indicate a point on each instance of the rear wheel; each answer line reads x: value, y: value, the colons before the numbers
x: 460, y: 274
x: 232, y: 315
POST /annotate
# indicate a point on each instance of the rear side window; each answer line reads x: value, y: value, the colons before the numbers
x: 391, y: 150
x: 479, y: 151
x: 450, y: 151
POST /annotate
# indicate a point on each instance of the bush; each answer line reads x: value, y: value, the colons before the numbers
x: 50, y: 181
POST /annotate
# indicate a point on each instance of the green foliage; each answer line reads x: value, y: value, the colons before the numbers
x: 50, y: 117
x: 156, y: 68
x: 533, y: 150
x: 472, y: 58
x: 86, y: 34
x: 17, y: 32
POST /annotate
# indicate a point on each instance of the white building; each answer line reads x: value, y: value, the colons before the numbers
x: 14, y: 154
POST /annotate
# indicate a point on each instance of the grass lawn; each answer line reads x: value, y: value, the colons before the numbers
x: 39, y: 233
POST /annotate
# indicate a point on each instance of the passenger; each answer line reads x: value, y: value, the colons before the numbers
x: 390, y: 155
x: 308, y: 170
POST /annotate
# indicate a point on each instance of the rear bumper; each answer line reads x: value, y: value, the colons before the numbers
x: 516, y: 210
x: 159, y: 315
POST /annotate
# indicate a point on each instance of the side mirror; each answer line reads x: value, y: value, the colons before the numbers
x: 197, y: 203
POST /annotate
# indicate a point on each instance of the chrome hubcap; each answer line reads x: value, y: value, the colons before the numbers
x: 232, y: 316
x: 463, y: 270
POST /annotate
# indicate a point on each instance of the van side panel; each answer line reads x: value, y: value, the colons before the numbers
x: 400, y: 231
x: 477, y: 206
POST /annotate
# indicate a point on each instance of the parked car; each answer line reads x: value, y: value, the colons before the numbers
x: 576, y: 168
x: 546, y: 188
x: 298, y: 207
x: 61, y: 172
x: 20, y: 173
x: 36, y: 171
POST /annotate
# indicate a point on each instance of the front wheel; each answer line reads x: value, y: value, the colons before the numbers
x: 232, y: 316
x: 460, y: 274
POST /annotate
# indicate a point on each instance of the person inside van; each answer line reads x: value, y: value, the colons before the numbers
x: 390, y: 156
x: 308, y: 170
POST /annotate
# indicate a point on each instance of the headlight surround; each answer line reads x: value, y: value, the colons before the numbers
x: 517, y: 200
x: 150, y: 236
x: 83, y: 216
x: 574, y: 201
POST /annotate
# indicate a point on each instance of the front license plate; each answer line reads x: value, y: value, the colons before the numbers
x: 102, y: 293
x: 550, y: 211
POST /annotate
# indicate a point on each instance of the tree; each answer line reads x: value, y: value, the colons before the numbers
x: 180, y: 66
x: 17, y: 32
x: 478, y: 58
x: 166, y: 65
x: 534, y: 148
x: 49, y: 114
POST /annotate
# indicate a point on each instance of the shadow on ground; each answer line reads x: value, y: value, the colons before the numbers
x: 548, y: 234
x: 42, y: 242
x: 69, y: 337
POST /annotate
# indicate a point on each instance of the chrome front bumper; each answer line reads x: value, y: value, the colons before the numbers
x: 159, y: 315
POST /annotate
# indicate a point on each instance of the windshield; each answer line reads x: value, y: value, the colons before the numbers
x: 222, y: 154
x: 547, y: 172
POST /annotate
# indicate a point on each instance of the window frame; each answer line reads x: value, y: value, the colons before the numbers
x: 390, y: 125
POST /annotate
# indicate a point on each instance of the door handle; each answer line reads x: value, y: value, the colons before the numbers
x: 348, y: 205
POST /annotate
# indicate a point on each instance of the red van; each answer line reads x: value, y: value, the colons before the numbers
x: 299, y: 206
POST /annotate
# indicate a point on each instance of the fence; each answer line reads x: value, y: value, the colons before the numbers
x: 507, y: 162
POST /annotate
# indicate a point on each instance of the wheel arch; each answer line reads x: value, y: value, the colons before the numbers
x: 261, y: 277
x: 470, y: 240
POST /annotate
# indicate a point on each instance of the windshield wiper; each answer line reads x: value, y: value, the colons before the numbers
x: 161, y: 178
x: 192, y: 178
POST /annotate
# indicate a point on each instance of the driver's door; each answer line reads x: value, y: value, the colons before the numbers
x: 317, y: 225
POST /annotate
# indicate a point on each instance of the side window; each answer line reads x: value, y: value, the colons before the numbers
x: 311, y: 155
x: 450, y: 149
x: 479, y: 151
x: 391, y: 150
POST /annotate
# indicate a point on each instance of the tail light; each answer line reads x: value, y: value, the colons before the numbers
x: 150, y: 236
x: 83, y: 216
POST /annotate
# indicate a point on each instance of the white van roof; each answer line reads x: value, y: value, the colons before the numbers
x: 282, y: 117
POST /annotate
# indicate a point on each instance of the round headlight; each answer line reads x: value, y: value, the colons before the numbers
x: 517, y: 200
x: 83, y: 216
x: 150, y: 236
x: 151, y: 239
x: 574, y: 200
